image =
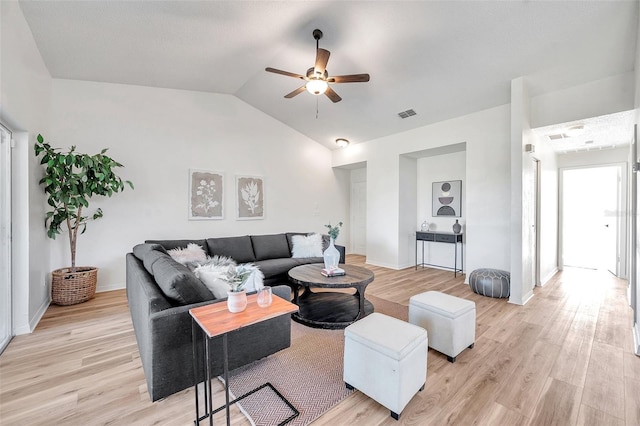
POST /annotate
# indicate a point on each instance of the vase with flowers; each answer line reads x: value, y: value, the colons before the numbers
x: 237, y: 296
x: 331, y: 255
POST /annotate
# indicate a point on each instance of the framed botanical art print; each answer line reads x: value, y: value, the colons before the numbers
x: 447, y: 198
x: 206, y: 195
x: 249, y: 197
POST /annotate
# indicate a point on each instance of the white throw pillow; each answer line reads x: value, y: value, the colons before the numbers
x: 255, y: 281
x: 193, y: 253
x: 217, y: 286
x: 307, y: 246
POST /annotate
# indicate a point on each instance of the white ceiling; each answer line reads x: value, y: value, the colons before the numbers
x: 441, y: 58
x: 597, y: 133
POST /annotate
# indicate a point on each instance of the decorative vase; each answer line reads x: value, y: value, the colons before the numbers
x: 424, y: 227
x: 456, y: 227
x: 237, y: 301
x: 331, y: 256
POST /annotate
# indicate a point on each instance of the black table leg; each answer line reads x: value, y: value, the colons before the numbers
x: 195, y: 367
x: 226, y: 376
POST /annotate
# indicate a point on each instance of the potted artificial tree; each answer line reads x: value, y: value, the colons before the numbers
x: 70, y: 180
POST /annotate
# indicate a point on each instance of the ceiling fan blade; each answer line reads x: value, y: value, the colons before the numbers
x: 322, y: 57
x: 354, y: 78
x: 295, y: 92
x: 332, y: 95
x: 287, y: 73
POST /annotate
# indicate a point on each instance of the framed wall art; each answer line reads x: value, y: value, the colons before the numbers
x: 447, y: 198
x: 206, y: 195
x: 250, y: 197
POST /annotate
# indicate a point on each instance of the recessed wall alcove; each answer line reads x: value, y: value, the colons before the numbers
x: 418, y: 170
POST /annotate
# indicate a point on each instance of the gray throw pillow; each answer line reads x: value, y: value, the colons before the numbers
x: 270, y: 246
x: 237, y: 248
x: 178, y: 283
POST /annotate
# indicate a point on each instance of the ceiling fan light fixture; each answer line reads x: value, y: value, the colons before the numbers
x: 316, y: 86
x: 342, y: 142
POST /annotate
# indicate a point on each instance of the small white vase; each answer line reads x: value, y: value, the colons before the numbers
x: 331, y: 256
x: 236, y: 301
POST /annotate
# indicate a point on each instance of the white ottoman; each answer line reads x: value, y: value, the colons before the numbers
x: 386, y: 359
x: 449, y: 320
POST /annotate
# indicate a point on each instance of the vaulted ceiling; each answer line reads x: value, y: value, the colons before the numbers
x: 442, y: 59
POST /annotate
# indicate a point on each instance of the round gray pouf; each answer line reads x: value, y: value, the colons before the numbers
x: 490, y: 282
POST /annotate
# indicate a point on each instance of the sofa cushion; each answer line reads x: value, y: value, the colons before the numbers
x: 177, y: 282
x: 270, y: 246
x: 237, y: 248
x: 173, y: 244
x: 141, y: 250
x: 274, y: 267
x: 148, y: 254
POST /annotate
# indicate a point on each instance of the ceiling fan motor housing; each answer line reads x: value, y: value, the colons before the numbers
x: 317, y: 77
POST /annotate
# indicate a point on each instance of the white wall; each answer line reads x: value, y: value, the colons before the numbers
x: 522, y: 196
x: 25, y: 86
x: 548, y: 211
x: 487, y: 174
x: 158, y: 134
x: 593, y: 99
x: 593, y: 158
x: 439, y: 168
x: 407, y: 211
x: 634, y: 243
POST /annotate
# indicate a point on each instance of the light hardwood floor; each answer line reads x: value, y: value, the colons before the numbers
x: 565, y: 358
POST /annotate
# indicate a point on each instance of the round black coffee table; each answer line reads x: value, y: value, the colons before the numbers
x: 330, y: 309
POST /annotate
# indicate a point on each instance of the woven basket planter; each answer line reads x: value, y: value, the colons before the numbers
x: 69, y: 288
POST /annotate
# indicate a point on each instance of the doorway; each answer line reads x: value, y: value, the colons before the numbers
x: 359, y: 218
x: 6, y: 329
x: 591, y: 212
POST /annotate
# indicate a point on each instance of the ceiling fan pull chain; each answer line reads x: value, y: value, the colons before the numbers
x: 316, y: 107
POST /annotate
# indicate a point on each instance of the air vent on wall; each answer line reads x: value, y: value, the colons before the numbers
x: 406, y: 114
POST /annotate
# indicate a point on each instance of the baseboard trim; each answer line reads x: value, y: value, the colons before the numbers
x: 636, y: 338
x: 525, y: 298
x: 33, y: 322
x: 549, y: 276
x: 382, y: 264
x: 110, y: 287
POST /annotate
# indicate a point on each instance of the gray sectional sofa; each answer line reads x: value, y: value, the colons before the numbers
x: 160, y: 292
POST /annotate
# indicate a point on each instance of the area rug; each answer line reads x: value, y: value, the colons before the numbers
x: 308, y: 374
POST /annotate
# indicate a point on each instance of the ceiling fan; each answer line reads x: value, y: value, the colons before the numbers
x: 317, y: 78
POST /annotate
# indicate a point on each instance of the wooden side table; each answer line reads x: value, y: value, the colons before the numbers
x: 216, y: 320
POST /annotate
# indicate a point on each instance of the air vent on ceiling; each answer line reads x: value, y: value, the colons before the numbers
x: 406, y: 114
x: 556, y: 137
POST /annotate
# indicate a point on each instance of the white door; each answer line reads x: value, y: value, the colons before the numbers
x: 611, y: 222
x: 5, y: 238
x: 535, y: 237
x: 590, y: 199
x: 359, y: 218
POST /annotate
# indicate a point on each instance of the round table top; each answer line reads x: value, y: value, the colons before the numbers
x: 309, y: 275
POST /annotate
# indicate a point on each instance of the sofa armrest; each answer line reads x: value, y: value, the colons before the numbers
x: 342, y: 251
x: 282, y: 291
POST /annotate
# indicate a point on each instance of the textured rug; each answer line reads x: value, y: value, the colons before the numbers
x: 308, y: 374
